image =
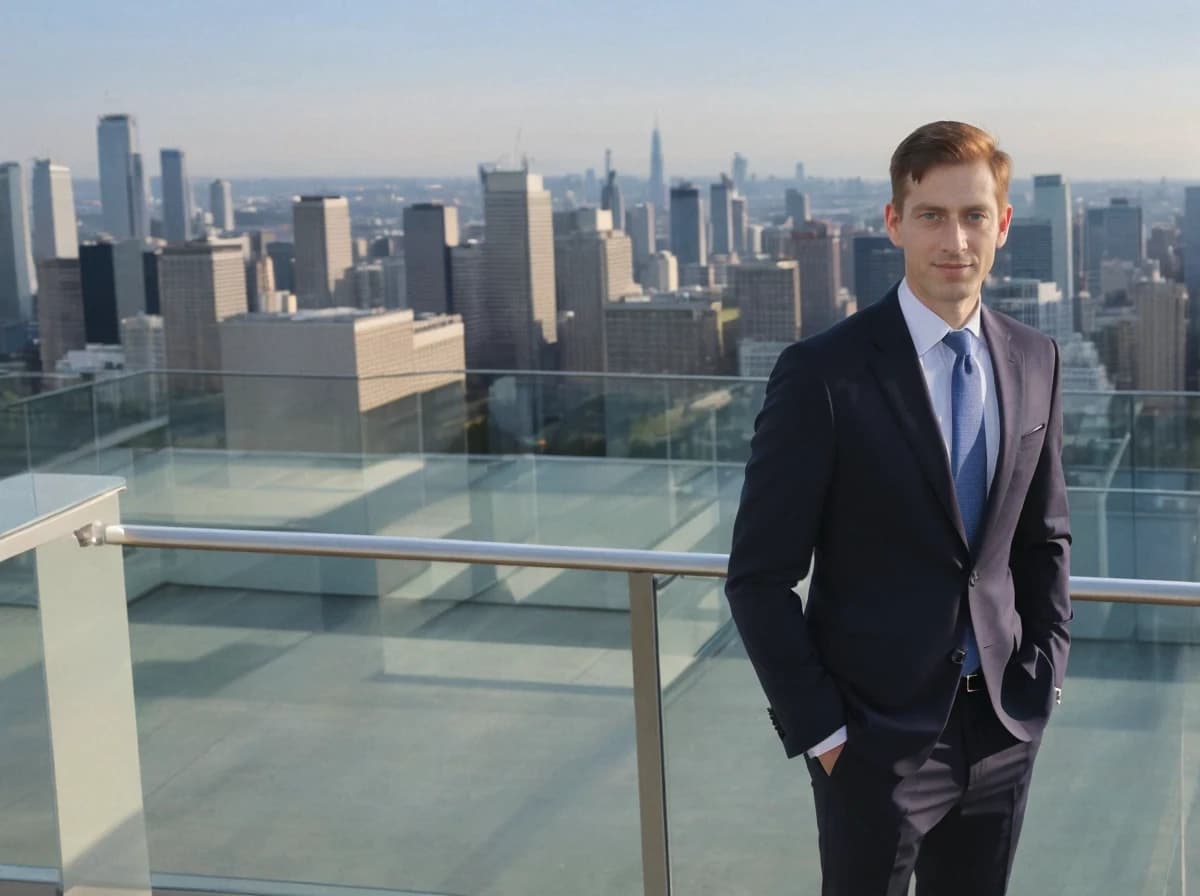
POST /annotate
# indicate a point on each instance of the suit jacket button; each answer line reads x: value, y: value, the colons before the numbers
x: 974, y: 578
x: 958, y: 656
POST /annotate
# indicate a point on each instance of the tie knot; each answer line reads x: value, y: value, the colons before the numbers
x: 959, y: 342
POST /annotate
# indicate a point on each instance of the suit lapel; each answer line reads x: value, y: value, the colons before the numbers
x: 896, y: 366
x: 1006, y: 368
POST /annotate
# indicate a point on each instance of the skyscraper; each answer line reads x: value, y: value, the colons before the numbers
x: 611, y: 198
x: 721, y: 199
x: 878, y: 266
x: 658, y: 182
x: 687, y: 225
x: 1029, y: 252
x: 661, y: 273
x: 767, y: 295
x: 323, y: 251
x: 797, y: 207
x: 202, y: 283
x: 741, y: 171
x: 1111, y: 233
x: 1191, y: 247
x: 17, y: 283
x: 177, y: 196
x: 592, y: 267
x: 98, y: 288
x: 54, y: 231
x: 519, y: 268
x: 639, y: 224
x: 1159, y: 360
x: 430, y: 230
x: 737, y: 208
x: 283, y: 261
x: 122, y: 180
x: 816, y: 248
x: 470, y: 303
x: 1052, y: 202
x: 60, y: 309
x: 220, y: 204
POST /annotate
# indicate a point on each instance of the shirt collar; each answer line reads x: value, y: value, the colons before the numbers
x: 924, y: 326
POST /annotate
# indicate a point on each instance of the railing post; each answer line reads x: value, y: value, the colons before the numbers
x: 648, y: 726
x: 89, y: 678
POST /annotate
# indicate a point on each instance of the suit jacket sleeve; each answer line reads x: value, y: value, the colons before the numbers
x: 778, y: 520
x: 1041, y: 551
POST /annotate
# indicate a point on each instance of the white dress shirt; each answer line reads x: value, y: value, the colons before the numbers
x: 937, y: 363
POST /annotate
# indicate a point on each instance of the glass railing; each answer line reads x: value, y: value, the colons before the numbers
x: 656, y: 461
x: 292, y: 741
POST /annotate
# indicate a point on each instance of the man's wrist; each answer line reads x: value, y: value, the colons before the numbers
x: 834, y: 740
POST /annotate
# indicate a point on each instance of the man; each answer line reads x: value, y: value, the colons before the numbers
x: 912, y: 453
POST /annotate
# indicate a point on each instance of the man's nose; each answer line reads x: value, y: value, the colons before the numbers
x: 955, y: 237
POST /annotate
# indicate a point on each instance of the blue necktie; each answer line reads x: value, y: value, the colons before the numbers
x: 968, y: 455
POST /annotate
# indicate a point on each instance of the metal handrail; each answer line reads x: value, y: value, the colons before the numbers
x: 384, y: 547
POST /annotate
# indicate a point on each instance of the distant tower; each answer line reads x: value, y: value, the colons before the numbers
x: 1052, y: 202
x: 610, y: 197
x: 430, y: 231
x: 122, y: 180
x: 177, y: 196
x: 518, y: 260
x: 721, y: 199
x: 220, y: 203
x: 658, y: 182
x: 321, y: 225
x: 687, y: 226
x: 54, y: 231
x: 17, y: 283
x: 741, y: 171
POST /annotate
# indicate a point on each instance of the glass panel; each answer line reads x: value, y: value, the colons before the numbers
x: 28, y: 832
x: 429, y: 743
x: 62, y: 431
x: 1114, y: 807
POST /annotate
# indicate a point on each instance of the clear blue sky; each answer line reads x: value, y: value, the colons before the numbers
x: 377, y: 87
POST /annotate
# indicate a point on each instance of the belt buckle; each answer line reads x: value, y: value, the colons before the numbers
x: 973, y: 682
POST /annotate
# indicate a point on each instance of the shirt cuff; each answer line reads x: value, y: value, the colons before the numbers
x: 834, y: 740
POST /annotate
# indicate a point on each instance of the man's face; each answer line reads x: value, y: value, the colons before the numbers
x: 950, y: 228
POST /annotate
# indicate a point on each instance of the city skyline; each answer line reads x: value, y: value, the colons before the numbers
x: 319, y: 93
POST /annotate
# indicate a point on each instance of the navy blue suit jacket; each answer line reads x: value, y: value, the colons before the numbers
x: 848, y: 471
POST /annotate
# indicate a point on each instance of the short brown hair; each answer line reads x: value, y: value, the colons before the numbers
x: 947, y: 143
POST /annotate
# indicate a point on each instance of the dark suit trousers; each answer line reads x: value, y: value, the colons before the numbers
x: 955, y: 821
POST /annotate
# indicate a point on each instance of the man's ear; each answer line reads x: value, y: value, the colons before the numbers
x: 1005, y: 222
x: 891, y: 220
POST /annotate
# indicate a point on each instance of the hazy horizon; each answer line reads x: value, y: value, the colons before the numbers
x: 401, y: 89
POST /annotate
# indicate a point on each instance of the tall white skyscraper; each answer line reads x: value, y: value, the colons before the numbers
x: 54, y: 230
x: 177, y: 197
x: 324, y: 252
x: 220, y: 203
x: 17, y: 282
x: 519, y: 268
x: 1052, y: 202
x: 122, y: 180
